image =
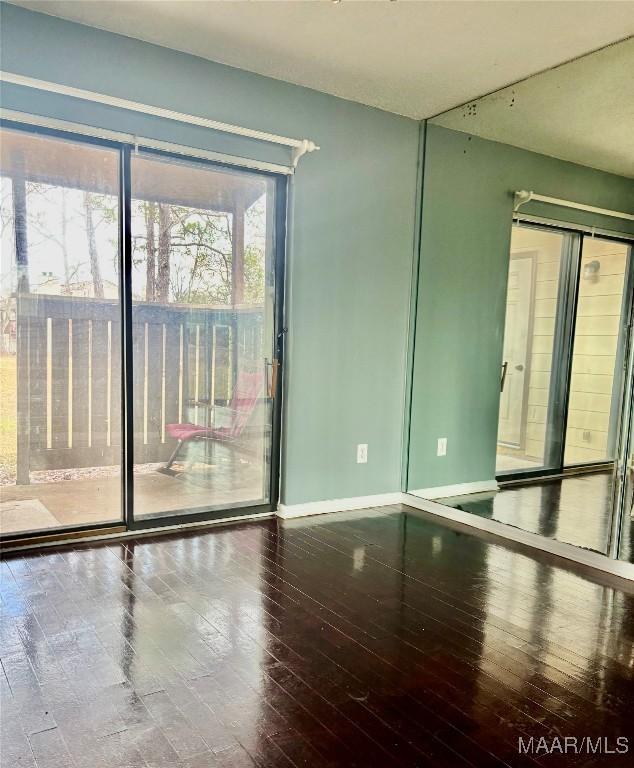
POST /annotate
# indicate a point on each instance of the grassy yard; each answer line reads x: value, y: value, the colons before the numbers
x: 8, y: 424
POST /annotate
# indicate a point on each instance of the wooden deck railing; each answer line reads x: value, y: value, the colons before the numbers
x: 69, y: 375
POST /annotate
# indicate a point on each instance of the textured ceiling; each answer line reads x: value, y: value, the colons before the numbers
x: 413, y: 58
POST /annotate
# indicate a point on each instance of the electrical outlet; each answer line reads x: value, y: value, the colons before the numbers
x: 442, y: 447
x: 362, y: 453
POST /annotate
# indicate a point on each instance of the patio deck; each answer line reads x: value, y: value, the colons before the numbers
x: 90, y: 501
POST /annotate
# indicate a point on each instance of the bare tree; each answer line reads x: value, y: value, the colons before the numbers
x: 64, y: 241
x: 164, y: 241
x: 38, y: 224
x: 149, y: 209
x: 95, y: 271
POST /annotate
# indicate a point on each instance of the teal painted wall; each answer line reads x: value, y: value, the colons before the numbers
x: 350, y: 249
x: 352, y: 234
x: 466, y: 228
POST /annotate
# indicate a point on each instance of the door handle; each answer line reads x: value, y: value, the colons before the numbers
x: 275, y: 364
x: 505, y: 366
x: 519, y: 367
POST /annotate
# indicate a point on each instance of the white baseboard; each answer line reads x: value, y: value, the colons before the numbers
x: 576, y: 554
x: 288, y: 511
x: 461, y: 489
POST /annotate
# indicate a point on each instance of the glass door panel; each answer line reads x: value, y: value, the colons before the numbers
x: 626, y: 500
x: 529, y: 405
x: 597, y: 362
x: 625, y: 496
x: 60, y: 380
x: 203, y: 287
x: 623, y: 476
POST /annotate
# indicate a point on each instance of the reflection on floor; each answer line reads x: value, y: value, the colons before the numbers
x: 380, y: 639
x: 575, y: 509
x: 506, y: 462
x: 230, y: 481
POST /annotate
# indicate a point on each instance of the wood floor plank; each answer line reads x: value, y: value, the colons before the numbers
x: 372, y: 638
x: 506, y: 657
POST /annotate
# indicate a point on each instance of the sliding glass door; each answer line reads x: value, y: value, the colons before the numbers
x: 624, y: 491
x: 203, y: 283
x: 622, y: 538
x: 597, y: 353
x: 140, y: 336
x: 534, y: 296
x: 531, y: 400
x: 60, y: 334
x: 567, y: 306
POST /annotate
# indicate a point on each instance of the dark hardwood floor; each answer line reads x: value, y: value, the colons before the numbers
x: 576, y: 509
x: 376, y: 638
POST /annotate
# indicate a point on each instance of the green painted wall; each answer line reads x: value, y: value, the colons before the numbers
x: 466, y: 228
x: 352, y: 232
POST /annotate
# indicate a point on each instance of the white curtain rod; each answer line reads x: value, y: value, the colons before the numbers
x: 299, y: 146
x: 141, y: 142
x: 524, y: 196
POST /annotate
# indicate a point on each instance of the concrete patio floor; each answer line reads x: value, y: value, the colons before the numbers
x: 46, y: 506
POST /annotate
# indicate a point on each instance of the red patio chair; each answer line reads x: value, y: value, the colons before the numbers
x: 241, y: 406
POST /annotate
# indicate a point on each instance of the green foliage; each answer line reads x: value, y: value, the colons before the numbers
x: 200, y: 252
